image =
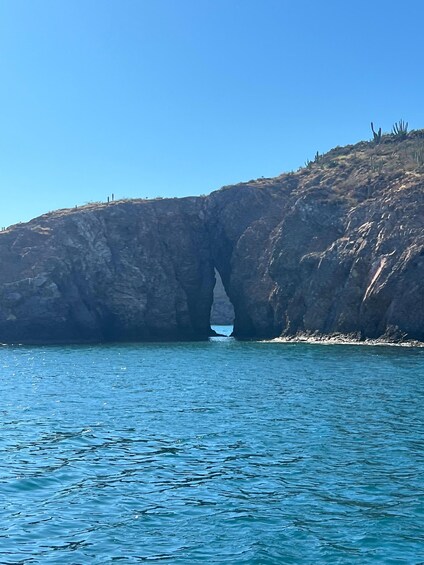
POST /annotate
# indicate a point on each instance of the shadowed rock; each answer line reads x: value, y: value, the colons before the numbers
x: 127, y: 271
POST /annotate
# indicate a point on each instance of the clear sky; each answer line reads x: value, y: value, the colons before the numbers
x: 179, y: 97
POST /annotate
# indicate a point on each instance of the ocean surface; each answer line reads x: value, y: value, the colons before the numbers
x: 219, y: 452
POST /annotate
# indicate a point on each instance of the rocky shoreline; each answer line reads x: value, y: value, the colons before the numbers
x: 340, y: 339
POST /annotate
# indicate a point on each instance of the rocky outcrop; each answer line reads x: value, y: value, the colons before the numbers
x: 337, y: 247
x: 126, y: 271
x: 346, y: 252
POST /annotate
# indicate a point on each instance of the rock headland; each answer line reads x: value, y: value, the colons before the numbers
x: 336, y: 247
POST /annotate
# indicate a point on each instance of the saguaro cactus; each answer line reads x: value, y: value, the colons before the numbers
x: 377, y: 135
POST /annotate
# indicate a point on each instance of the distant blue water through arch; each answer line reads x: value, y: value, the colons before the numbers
x: 225, y: 331
x: 220, y: 452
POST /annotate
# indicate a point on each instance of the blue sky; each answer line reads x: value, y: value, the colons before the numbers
x: 179, y: 97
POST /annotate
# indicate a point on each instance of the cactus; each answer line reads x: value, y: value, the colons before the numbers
x: 317, y: 159
x: 377, y: 135
x: 376, y: 166
x: 400, y: 129
x: 419, y: 156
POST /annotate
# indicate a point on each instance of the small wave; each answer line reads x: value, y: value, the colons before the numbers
x: 341, y: 339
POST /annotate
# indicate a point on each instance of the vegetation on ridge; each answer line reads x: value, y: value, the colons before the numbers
x: 399, y: 151
x: 356, y: 171
x: 400, y: 129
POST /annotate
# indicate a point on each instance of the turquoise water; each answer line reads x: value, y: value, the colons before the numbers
x: 219, y: 452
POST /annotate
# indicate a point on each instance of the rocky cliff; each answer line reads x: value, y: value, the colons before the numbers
x: 126, y: 271
x: 336, y: 247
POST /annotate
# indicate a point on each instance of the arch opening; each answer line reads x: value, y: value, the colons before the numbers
x: 222, y: 310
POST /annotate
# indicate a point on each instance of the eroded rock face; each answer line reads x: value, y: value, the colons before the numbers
x: 332, y: 268
x: 128, y: 271
x: 340, y: 250
x: 337, y: 247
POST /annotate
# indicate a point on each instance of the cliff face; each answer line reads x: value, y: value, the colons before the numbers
x: 129, y: 271
x: 346, y: 254
x: 337, y: 247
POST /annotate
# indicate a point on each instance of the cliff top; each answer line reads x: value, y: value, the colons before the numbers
x: 358, y: 172
x: 353, y: 172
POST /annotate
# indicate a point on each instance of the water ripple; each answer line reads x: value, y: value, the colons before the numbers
x: 220, y: 452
